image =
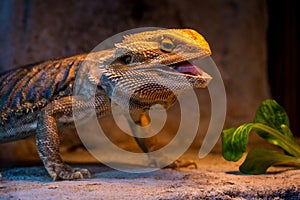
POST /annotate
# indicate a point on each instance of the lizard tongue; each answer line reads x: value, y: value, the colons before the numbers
x: 189, y: 68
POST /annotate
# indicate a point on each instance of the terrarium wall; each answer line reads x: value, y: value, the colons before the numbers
x: 283, y: 57
x: 236, y: 30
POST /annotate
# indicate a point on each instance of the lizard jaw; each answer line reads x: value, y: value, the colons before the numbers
x: 193, y: 73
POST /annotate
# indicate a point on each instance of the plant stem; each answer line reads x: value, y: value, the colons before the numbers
x: 289, y: 145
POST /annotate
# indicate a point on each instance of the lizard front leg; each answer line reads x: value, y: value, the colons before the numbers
x: 148, y: 144
x: 141, y: 119
x: 47, y: 138
x: 48, y: 148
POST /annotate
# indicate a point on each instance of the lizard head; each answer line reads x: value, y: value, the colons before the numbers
x: 162, y: 46
x: 159, y: 59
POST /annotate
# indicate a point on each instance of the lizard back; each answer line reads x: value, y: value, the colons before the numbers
x: 30, y: 87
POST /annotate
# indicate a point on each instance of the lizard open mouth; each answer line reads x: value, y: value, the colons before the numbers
x: 188, y: 68
x: 193, y: 73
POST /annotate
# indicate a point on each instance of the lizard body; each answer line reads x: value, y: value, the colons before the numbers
x: 146, y: 68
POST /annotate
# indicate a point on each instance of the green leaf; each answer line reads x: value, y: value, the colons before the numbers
x: 259, y: 160
x: 275, y: 137
x: 273, y: 115
x: 234, y: 142
x: 287, y: 131
x: 271, y: 123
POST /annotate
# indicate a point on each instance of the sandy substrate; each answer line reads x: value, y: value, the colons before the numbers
x: 215, y: 178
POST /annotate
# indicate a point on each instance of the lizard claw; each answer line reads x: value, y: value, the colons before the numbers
x: 65, y: 172
x: 182, y: 163
x: 174, y: 165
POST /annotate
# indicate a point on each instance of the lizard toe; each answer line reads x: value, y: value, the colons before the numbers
x: 83, y: 171
x: 174, y: 165
x: 182, y: 164
x: 159, y: 162
x: 73, y: 174
x: 65, y: 172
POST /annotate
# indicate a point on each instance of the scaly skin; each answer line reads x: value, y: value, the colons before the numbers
x: 38, y: 99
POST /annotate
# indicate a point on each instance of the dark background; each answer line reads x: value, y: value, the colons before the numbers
x: 283, y: 57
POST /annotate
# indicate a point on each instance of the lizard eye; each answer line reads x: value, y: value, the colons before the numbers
x: 167, y: 45
x: 127, y: 59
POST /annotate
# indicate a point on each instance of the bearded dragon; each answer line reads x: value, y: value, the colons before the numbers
x: 148, y: 67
